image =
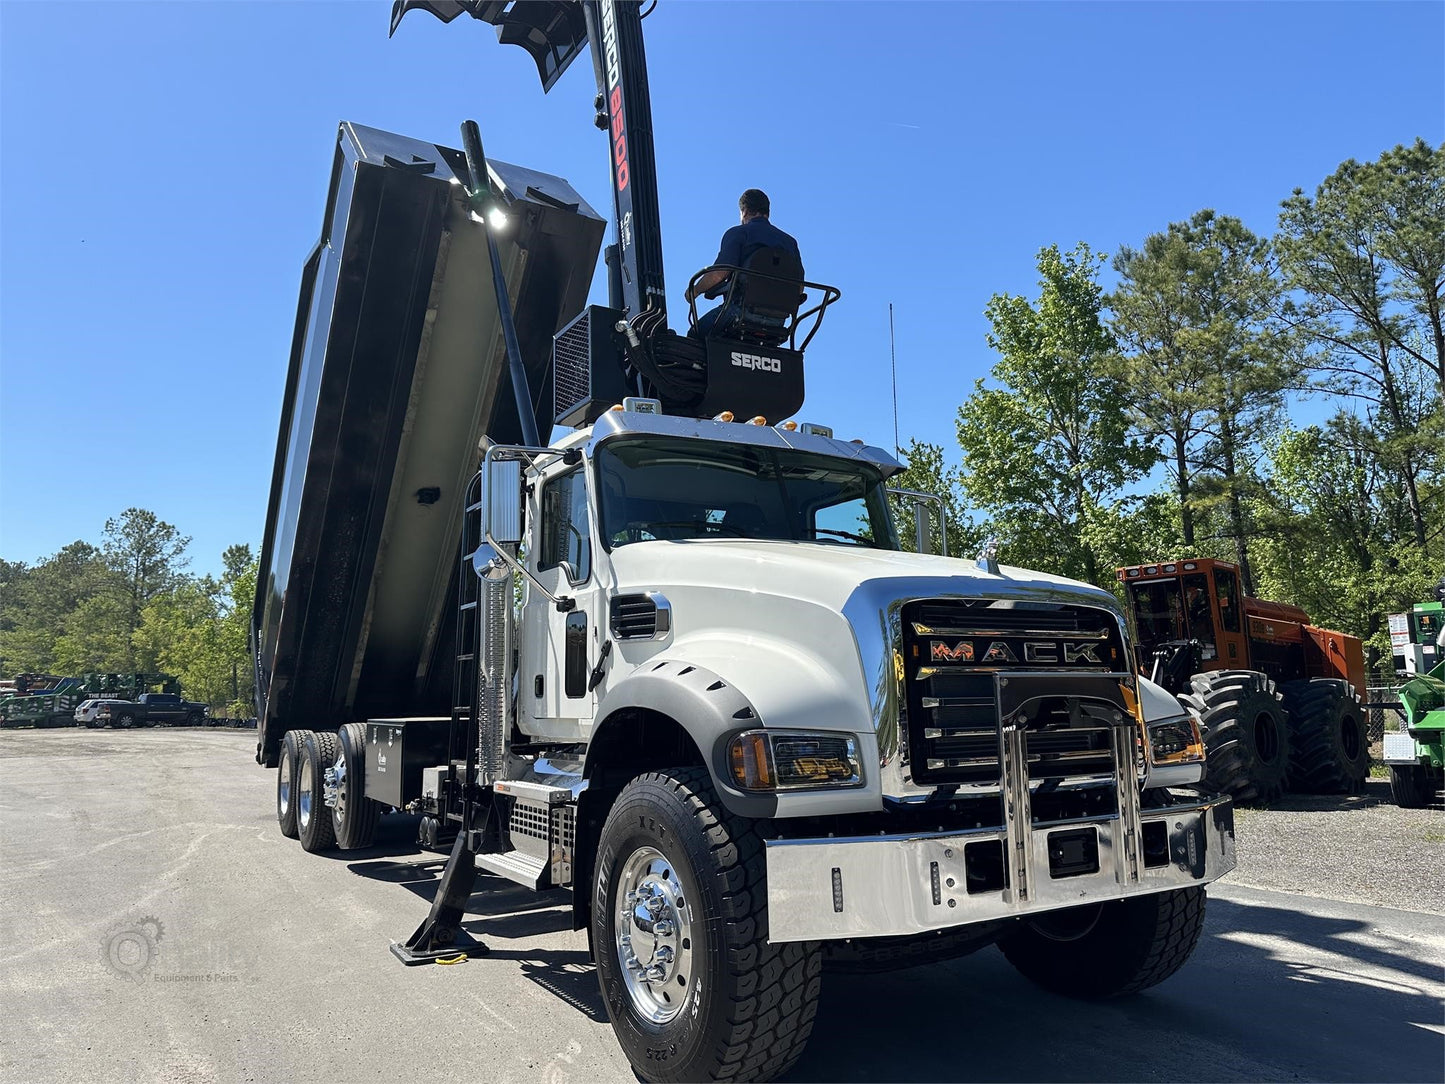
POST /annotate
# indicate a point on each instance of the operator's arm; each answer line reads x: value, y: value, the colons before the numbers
x: 706, y: 283
x: 730, y: 253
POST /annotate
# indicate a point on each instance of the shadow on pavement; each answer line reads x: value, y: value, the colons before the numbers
x: 1376, y: 792
x: 1236, y: 1011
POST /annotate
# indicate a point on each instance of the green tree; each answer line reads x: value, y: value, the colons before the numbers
x: 150, y: 554
x: 1047, y: 454
x: 41, y: 603
x: 1365, y: 256
x: 1207, y: 362
x: 1336, y: 545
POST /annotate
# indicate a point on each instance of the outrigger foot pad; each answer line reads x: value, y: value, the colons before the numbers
x: 459, y: 943
x: 441, y: 936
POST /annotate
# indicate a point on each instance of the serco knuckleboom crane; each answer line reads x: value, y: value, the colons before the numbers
x: 753, y: 363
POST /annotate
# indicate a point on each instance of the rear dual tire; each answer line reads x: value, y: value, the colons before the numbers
x: 286, y: 772
x: 354, y: 817
x: 313, y: 818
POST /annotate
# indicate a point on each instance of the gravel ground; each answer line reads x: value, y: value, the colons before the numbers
x: 1361, y: 849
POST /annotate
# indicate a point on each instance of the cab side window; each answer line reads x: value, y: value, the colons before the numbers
x: 565, y: 534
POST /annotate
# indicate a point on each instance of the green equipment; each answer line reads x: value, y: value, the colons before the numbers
x: 1415, y: 755
x: 41, y: 700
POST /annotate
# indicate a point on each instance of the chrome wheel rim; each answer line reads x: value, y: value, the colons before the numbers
x: 303, y: 799
x: 338, y: 775
x: 655, y: 935
x: 283, y: 784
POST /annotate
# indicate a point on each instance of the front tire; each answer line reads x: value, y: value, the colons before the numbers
x: 353, y: 818
x: 692, y: 985
x: 1329, y: 750
x: 1246, y: 734
x: 313, y: 819
x: 125, y: 721
x: 1109, y: 949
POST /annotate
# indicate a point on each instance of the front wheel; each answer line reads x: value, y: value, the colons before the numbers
x: 125, y: 721
x: 1106, y: 950
x: 692, y: 985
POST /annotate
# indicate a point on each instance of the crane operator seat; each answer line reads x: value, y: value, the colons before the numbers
x: 760, y: 308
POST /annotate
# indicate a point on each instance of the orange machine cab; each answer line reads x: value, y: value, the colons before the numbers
x: 1200, y: 599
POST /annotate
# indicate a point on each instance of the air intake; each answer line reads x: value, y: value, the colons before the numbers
x: 640, y: 617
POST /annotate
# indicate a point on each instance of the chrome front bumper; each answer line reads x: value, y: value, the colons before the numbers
x: 878, y: 886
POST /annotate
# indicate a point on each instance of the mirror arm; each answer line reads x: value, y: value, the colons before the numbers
x: 564, y: 603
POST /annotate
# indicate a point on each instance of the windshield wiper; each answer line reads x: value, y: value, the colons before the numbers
x: 846, y: 534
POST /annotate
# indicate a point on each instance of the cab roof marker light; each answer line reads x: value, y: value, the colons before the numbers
x: 638, y: 405
x: 787, y: 427
x: 615, y: 406
x: 813, y: 429
x: 723, y: 416
x: 759, y: 420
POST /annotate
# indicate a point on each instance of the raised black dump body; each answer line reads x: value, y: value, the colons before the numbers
x: 398, y: 370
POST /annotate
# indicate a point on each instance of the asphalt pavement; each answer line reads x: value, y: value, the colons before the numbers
x: 157, y: 927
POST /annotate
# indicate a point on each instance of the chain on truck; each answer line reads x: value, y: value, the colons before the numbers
x: 674, y: 658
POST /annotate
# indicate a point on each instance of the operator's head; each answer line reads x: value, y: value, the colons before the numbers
x: 753, y: 204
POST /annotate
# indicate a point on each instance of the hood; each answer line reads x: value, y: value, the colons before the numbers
x: 829, y: 575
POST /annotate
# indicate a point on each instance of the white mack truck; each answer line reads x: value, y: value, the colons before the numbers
x: 675, y: 659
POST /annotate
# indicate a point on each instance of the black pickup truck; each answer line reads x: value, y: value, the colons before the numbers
x: 152, y: 709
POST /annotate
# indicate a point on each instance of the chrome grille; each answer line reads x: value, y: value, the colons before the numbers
x: 957, y: 655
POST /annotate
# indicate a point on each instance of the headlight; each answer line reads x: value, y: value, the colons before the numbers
x: 1176, y: 740
x: 768, y: 760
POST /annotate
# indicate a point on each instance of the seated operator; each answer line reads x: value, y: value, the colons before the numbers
x: 738, y: 245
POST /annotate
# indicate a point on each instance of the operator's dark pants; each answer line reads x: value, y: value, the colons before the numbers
x: 708, y: 320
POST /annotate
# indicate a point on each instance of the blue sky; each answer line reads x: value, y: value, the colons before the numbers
x: 163, y: 169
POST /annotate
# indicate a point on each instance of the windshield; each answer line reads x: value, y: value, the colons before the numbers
x: 1167, y: 610
x: 660, y: 488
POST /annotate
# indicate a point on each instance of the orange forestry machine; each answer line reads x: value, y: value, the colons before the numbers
x: 1277, y: 697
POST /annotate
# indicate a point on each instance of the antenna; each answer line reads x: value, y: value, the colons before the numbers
x: 893, y: 361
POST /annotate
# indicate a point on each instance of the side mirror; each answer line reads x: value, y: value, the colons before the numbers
x: 923, y: 504
x: 502, y: 501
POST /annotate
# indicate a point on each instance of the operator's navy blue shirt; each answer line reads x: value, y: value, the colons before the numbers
x: 740, y: 242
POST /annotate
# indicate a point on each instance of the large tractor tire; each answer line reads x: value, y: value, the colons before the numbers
x: 353, y: 818
x: 1329, y: 748
x: 1413, y: 786
x: 1105, y: 950
x: 286, y: 773
x: 313, y: 819
x: 693, y: 987
x: 1246, y: 734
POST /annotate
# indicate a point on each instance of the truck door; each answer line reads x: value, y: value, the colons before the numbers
x: 560, y: 648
